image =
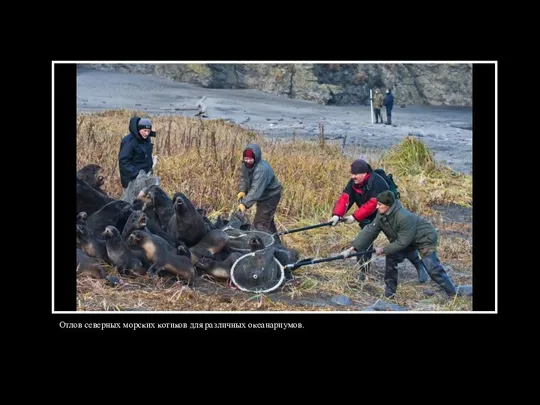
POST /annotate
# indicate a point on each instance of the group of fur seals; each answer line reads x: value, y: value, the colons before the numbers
x: 153, y: 234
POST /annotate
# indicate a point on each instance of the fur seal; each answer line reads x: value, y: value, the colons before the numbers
x: 90, y: 244
x: 156, y: 199
x: 114, y: 213
x: 94, y: 175
x: 86, y: 266
x: 218, y: 268
x: 213, y: 242
x: 120, y: 255
x: 187, y: 225
x: 137, y: 221
x: 161, y: 259
x: 89, y: 199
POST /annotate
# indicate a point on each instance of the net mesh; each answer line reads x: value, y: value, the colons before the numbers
x: 241, y: 241
x: 257, y: 272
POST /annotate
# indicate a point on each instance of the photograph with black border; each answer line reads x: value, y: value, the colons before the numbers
x: 63, y: 287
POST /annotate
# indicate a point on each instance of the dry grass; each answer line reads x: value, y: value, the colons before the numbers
x: 202, y: 159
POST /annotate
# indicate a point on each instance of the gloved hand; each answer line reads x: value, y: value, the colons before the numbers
x: 348, y: 252
x: 335, y: 220
x: 241, y: 208
x: 241, y: 194
x: 379, y: 251
x: 349, y: 219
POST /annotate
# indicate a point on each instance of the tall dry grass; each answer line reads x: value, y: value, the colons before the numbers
x: 203, y: 159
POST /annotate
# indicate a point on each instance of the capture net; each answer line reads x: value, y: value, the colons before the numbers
x: 258, y: 271
x: 245, y: 241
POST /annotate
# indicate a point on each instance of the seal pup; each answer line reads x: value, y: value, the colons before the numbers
x: 157, y: 200
x: 186, y: 225
x: 114, y: 213
x: 218, y: 268
x: 213, y: 242
x: 89, y: 199
x: 90, y: 244
x: 86, y: 266
x: 125, y: 260
x: 94, y: 175
x: 161, y: 259
x: 137, y: 221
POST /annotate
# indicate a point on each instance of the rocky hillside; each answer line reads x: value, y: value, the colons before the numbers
x: 427, y: 84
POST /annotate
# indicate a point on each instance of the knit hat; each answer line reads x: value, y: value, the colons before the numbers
x: 249, y: 153
x: 386, y: 198
x: 359, y: 166
x: 144, y: 123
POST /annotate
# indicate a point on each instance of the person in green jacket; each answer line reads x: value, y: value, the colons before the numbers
x: 406, y: 232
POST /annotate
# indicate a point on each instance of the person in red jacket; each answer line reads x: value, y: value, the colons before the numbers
x: 362, y: 190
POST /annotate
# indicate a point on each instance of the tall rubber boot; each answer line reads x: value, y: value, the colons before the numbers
x: 391, y: 277
x: 388, y: 119
x: 438, y: 274
x: 415, y: 259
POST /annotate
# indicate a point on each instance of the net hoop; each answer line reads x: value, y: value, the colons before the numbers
x: 278, y: 283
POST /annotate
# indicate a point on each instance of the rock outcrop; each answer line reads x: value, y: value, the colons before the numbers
x: 437, y: 84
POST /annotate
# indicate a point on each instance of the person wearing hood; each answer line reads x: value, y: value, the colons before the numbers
x: 389, y: 104
x: 136, y: 150
x: 407, y: 232
x: 259, y: 185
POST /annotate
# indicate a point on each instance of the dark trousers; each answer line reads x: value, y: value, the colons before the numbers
x: 433, y: 267
x: 264, y: 217
x: 388, y: 115
x: 378, y: 114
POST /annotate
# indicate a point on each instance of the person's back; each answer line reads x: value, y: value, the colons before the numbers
x: 136, y: 150
x: 389, y: 104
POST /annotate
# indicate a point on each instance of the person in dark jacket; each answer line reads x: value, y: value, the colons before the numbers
x: 136, y: 150
x: 389, y: 104
x: 259, y: 185
x: 362, y: 190
x: 407, y: 232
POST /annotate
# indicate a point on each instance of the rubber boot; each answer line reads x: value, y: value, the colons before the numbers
x: 391, y: 277
x: 438, y: 274
x: 415, y: 259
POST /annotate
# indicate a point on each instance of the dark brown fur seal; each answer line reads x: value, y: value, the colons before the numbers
x: 217, y: 268
x: 137, y: 221
x: 161, y: 259
x: 213, y: 242
x: 157, y: 200
x: 88, y: 267
x: 94, y: 175
x: 114, y: 213
x: 120, y: 255
x: 186, y: 224
x: 90, y: 244
x: 89, y: 199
